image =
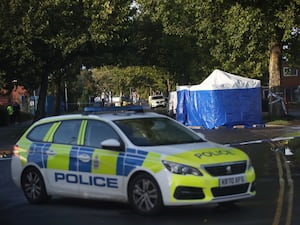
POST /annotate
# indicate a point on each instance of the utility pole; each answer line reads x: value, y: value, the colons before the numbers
x: 66, y: 97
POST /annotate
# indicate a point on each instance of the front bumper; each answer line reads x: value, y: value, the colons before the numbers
x: 190, y: 190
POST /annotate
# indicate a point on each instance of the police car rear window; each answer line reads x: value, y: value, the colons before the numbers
x: 67, y: 132
x: 38, y: 133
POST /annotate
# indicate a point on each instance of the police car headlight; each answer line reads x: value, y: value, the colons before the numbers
x: 182, y: 169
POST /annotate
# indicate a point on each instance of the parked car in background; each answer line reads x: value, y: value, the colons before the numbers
x: 157, y: 101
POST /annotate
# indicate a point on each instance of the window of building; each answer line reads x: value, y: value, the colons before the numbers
x: 290, y: 71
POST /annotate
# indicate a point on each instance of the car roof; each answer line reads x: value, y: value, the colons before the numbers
x: 102, y: 116
x: 125, y: 115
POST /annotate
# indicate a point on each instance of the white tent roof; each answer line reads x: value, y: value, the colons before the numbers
x: 184, y: 87
x: 220, y: 80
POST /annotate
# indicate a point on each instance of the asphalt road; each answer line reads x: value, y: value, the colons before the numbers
x: 277, y: 201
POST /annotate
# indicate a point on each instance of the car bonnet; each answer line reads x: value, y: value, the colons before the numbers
x: 198, y: 153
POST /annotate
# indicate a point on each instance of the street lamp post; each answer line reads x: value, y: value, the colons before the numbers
x: 66, y: 96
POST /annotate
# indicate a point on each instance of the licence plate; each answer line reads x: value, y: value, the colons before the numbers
x: 232, y: 180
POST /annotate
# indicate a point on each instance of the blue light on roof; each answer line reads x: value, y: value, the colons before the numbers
x: 135, y: 108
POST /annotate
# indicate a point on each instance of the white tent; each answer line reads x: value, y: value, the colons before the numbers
x: 222, y: 99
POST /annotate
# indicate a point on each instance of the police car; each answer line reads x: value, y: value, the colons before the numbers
x: 146, y: 159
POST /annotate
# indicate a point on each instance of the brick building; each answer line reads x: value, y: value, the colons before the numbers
x: 290, y: 83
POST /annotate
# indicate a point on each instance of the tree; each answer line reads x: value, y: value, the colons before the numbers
x: 244, y: 37
x: 49, y: 36
x: 292, y: 48
x: 16, y: 58
x: 119, y: 80
x: 148, y: 45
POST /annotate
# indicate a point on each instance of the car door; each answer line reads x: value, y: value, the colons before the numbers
x: 62, y: 169
x: 100, y: 168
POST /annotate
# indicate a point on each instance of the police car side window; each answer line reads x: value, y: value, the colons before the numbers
x: 67, y: 132
x: 97, y: 131
x: 39, y: 132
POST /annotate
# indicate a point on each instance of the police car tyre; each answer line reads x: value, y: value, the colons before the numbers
x: 33, y: 186
x: 144, y: 195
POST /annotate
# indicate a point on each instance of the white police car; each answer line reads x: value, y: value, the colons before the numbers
x: 146, y: 159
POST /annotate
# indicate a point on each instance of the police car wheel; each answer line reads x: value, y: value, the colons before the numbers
x: 144, y: 195
x: 33, y: 186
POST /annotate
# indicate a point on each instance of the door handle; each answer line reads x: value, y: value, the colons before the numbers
x: 84, y: 158
x: 51, y: 152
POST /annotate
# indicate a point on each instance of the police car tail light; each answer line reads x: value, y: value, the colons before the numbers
x: 182, y: 169
x: 16, y: 150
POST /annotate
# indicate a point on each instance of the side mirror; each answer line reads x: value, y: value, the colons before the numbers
x: 111, y: 144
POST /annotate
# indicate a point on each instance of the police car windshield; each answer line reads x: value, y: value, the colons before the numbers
x: 156, y: 131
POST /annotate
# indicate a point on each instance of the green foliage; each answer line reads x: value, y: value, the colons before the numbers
x: 15, y: 57
x: 241, y: 50
x: 107, y: 18
x: 42, y: 39
x: 292, y: 51
x: 148, y: 45
x: 237, y: 35
x: 120, y: 80
x: 39, y: 33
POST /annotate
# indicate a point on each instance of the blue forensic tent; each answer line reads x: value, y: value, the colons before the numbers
x: 222, y: 99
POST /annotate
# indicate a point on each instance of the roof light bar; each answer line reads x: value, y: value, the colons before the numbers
x: 133, y: 108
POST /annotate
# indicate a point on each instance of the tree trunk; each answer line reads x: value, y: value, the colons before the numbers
x: 168, y: 87
x: 57, y: 95
x: 41, y: 112
x: 275, y: 107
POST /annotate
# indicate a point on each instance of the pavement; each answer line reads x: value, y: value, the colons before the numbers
x: 9, y: 136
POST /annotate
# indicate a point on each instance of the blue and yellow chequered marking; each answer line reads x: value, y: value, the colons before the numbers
x: 101, y: 161
x: 58, y: 161
x: 37, y: 154
x: 133, y: 158
x: 82, y: 166
x: 105, y: 162
x: 66, y: 157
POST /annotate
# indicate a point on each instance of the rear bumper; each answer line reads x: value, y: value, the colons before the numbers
x: 16, y: 170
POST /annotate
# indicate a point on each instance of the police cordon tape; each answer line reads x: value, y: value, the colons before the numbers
x: 270, y: 140
x: 263, y: 141
x: 277, y: 99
